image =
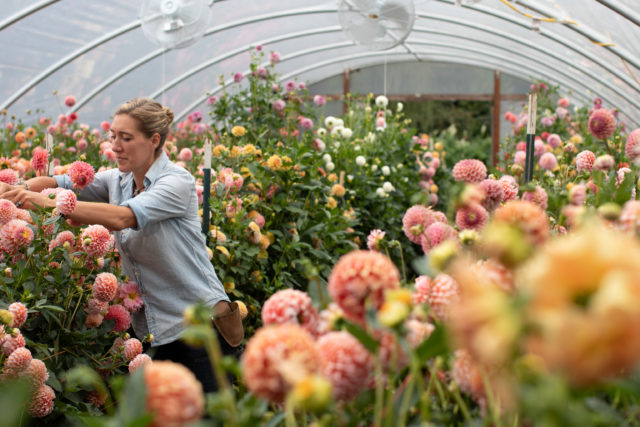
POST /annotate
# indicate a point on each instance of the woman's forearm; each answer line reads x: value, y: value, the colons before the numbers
x: 113, y: 217
x: 39, y: 183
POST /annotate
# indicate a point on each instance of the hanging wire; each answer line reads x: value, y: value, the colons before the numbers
x: 385, y: 75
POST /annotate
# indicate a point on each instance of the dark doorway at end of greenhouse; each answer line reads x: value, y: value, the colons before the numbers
x: 464, y: 126
x: 472, y: 119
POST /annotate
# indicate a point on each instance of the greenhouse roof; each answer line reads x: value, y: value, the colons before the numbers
x: 98, y: 51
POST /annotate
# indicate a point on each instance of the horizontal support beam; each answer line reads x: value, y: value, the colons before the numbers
x: 446, y: 97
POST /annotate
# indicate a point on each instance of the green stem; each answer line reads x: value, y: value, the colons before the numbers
x: 215, y: 357
x: 491, y: 400
x: 289, y: 415
x: 404, y: 268
x: 379, y: 393
x: 75, y: 310
x: 406, y: 400
x: 461, y: 404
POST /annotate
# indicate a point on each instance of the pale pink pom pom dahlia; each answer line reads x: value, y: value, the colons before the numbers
x: 435, y: 234
x: 81, y: 174
x: 41, y: 403
x: 96, y: 240
x: 346, y: 363
x: 138, y: 362
x: 61, y: 238
x: 66, y: 202
x: 632, y: 147
x: 602, y: 123
x: 585, y: 160
x: 494, y: 194
x: 418, y: 331
x: 422, y: 289
x: 132, y: 348
x: 538, y: 196
x: 11, y: 343
x: 362, y: 276
x: 468, y: 376
x: 95, y: 306
x: 174, y: 395
x: 415, y: 221
x: 374, y: 238
x: 277, y: 357
x: 290, y: 306
x: 469, y: 170
x: 36, y: 373
x: 548, y: 161
x: 18, y: 360
x: 8, y: 211
x: 19, y: 312
x: 509, y: 187
x: 9, y: 176
x: 444, y: 291
x: 105, y: 287
x: 40, y: 159
x: 15, y: 235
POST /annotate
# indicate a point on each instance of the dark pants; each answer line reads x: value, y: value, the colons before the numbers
x: 194, y: 358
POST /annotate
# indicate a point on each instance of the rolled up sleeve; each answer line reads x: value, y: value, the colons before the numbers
x: 168, y: 198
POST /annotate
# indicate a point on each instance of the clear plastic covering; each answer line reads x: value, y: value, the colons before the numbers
x: 98, y: 52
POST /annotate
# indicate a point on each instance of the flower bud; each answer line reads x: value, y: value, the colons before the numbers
x: 610, y: 211
x: 441, y: 255
x: 6, y: 317
x: 312, y: 393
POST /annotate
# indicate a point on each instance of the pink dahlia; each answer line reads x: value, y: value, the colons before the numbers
x: 472, y: 216
x: 10, y: 343
x: 602, y: 123
x: 346, y: 363
x: 138, y: 362
x: 632, y: 148
x: 585, y: 160
x: 360, y: 277
x: 105, y: 287
x: 468, y: 376
x: 96, y: 240
x: 538, y: 147
x: 290, y: 306
x: 81, y: 174
x: 8, y: 211
x: 620, y: 176
x: 70, y: 101
x: 319, y: 100
x: 18, y: 360
x: 563, y: 102
x: 121, y: 316
x: 494, y: 273
x: 554, y: 140
x: 95, y: 306
x: 19, y: 313
x: 40, y: 160
x: 276, y: 358
x: 604, y: 163
x: 24, y: 215
x: 132, y: 348
x: 185, y: 154
x: 538, y: 196
x: 306, y: 123
x: 494, y: 194
x: 629, y: 220
x: 41, y: 403
x: 130, y: 294
x: 422, y: 289
x: 15, y: 235
x: 418, y: 331
x: 61, y: 238
x: 174, y: 395
x: 444, y: 291
x: 548, y: 161
x: 66, y: 202
x: 8, y: 176
x: 520, y: 157
x: 509, y: 187
x: 278, y: 105
x: 415, y: 221
x: 374, y: 239
x: 435, y: 234
x: 469, y: 170
x: 36, y: 373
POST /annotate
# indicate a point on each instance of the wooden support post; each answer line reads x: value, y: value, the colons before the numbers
x: 346, y: 88
x: 495, y: 128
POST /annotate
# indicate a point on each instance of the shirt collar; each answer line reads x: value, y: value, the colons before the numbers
x: 154, y: 171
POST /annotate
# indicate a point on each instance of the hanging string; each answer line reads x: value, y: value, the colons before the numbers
x: 629, y: 71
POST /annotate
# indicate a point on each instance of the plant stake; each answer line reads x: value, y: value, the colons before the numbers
x: 531, y: 137
x: 206, y: 190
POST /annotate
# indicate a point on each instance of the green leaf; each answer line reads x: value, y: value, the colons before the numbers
x: 436, y: 345
x: 133, y: 400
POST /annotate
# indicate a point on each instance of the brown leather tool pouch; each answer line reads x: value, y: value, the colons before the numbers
x: 228, y: 322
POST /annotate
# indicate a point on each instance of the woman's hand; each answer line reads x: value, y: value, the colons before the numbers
x: 24, y: 199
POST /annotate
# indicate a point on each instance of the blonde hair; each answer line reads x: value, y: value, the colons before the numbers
x: 152, y: 117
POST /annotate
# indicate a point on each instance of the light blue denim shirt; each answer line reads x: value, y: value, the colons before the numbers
x: 166, y: 254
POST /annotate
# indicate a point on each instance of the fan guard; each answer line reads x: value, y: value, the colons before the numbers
x: 174, y: 24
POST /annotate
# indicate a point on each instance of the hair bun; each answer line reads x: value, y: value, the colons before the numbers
x: 169, y: 114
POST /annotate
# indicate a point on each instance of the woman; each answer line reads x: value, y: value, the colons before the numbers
x: 151, y: 204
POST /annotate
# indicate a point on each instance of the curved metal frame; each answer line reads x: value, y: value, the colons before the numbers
x: 584, y: 30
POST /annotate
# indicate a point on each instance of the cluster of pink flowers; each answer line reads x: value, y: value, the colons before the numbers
x: 290, y: 306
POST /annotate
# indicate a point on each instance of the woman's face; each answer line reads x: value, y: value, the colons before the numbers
x: 134, y: 151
